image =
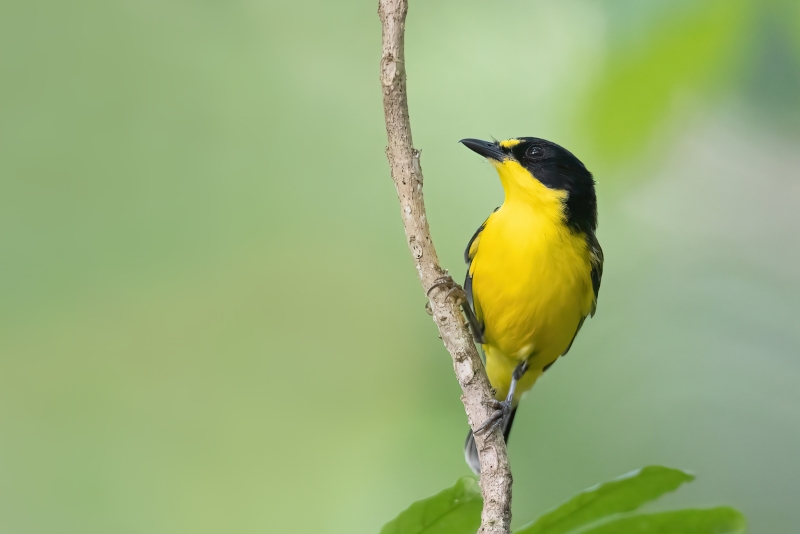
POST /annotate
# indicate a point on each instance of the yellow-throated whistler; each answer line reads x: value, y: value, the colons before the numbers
x: 534, y: 268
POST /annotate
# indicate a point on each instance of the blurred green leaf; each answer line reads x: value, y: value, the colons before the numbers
x: 455, y: 510
x: 722, y: 520
x: 623, y: 494
x: 640, y: 82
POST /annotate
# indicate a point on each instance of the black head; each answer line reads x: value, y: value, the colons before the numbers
x: 552, y: 165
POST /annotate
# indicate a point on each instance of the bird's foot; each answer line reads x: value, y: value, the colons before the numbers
x: 502, y: 410
x: 453, y: 289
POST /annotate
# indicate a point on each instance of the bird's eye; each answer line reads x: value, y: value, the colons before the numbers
x: 534, y: 152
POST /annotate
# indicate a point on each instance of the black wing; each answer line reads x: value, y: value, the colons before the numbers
x: 469, y: 253
x: 596, y: 261
x: 473, y: 316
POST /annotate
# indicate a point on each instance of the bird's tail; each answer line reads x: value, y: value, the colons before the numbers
x: 471, y: 451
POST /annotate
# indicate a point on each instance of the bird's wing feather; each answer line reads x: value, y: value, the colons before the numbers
x: 469, y: 255
x: 596, y: 261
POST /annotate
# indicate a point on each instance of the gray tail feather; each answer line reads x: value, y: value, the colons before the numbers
x: 471, y: 451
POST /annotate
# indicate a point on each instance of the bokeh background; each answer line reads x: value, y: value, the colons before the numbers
x: 209, y: 320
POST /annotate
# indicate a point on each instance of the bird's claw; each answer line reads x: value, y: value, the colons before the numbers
x: 502, y: 410
x: 453, y: 289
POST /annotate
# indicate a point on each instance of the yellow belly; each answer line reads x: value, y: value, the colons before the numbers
x: 531, y: 286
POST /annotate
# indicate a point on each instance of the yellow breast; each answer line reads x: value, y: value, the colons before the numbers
x: 531, y: 279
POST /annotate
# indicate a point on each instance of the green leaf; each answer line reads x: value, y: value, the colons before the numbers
x: 686, y: 51
x: 456, y: 510
x: 623, y: 494
x: 721, y: 520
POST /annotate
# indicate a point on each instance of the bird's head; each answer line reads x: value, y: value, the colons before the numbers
x: 537, y: 170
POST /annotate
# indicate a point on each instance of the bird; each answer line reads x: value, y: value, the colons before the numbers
x: 533, y: 269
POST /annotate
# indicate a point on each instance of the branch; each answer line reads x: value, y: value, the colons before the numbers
x: 407, y: 175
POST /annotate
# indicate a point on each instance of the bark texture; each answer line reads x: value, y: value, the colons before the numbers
x: 407, y: 175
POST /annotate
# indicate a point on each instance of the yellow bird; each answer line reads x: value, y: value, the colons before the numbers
x: 534, y: 268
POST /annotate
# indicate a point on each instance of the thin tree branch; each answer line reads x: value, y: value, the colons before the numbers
x: 407, y: 176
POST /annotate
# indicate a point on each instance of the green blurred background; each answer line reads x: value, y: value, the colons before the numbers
x: 209, y: 318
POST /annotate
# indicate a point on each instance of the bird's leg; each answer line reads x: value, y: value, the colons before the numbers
x: 453, y: 289
x: 503, y: 408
